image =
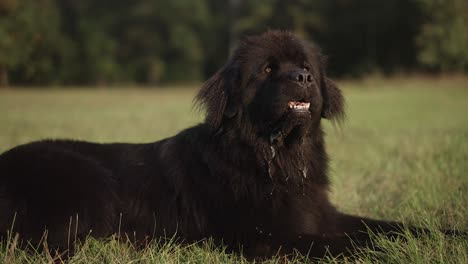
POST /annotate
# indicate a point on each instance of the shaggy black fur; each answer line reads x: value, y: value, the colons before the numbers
x: 252, y: 176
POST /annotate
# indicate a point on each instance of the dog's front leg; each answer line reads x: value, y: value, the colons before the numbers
x: 349, y: 234
x: 312, y: 246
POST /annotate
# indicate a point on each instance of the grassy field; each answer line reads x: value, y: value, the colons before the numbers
x: 402, y: 154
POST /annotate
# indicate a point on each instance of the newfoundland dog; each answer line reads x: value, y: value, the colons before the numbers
x: 253, y: 176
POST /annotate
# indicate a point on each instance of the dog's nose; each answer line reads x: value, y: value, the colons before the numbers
x: 301, y: 77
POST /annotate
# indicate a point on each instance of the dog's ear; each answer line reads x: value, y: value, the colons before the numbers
x: 333, y: 101
x: 216, y: 96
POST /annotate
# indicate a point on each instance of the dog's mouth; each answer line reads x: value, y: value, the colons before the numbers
x: 298, y: 106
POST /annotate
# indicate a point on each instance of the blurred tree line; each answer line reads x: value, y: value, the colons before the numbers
x: 153, y: 41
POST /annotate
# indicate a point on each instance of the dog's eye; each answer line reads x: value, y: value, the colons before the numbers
x: 267, y: 69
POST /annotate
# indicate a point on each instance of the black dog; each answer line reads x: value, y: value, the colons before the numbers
x: 252, y: 176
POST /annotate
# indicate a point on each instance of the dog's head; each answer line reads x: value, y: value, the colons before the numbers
x: 271, y: 78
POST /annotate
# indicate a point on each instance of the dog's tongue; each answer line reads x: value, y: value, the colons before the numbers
x: 298, y: 106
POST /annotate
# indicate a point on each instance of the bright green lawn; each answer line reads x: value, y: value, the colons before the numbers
x: 402, y: 154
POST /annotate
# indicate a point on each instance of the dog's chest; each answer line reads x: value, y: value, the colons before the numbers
x: 286, y: 166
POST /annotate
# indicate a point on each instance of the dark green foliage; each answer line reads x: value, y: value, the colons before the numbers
x: 30, y: 42
x: 154, y: 41
x: 444, y: 36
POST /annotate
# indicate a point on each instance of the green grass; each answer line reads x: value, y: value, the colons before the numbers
x: 402, y: 154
